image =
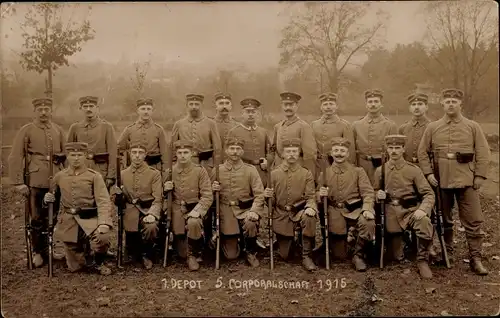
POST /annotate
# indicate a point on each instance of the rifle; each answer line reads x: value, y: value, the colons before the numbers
x: 217, y: 215
x: 325, y: 211
x: 119, y: 256
x: 439, y: 210
x: 382, y: 214
x: 50, y: 228
x: 27, y: 208
x: 167, y: 217
x: 270, y: 217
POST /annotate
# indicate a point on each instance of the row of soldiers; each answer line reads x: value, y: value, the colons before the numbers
x: 295, y: 153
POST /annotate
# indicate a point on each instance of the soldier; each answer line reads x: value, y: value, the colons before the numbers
x: 408, y: 201
x: 463, y: 154
x: 292, y: 188
x: 224, y: 121
x: 100, y: 137
x: 294, y: 127
x: 142, y: 204
x: 43, y: 137
x: 350, y: 203
x: 369, y: 133
x: 257, y: 145
x: 241, y: 202
x: 414, y: 129
x: 85, y: 211
x: 148, y: 133
x: 329, y: 126
x: 191, y: 199
x: 200, y: 130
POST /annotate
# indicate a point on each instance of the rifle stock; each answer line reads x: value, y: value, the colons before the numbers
x: 325, y: 211
x: 119, y: 256
x: 270, y: 217
x: 169, y: 208
x: 382, y: 214
x: 27, y: 209
x: 217, y: 216
x: 50, y: 228
x: 439, y: 210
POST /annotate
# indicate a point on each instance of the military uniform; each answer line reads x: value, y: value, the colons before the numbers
x: 256, y: 141
x: 350, y: 193
x: 85, y: 204
x: 149, y: 134
x: 192, y: 192
x: 295, y: 128
x: 202, y: 132
x: 463, y: 154
x: 294, y: 193
x: 327, y: 128
x: 224, y: 124
x: 42, y: 138
x: 407, y: 191
x: 414, y: 130
x: 100, y: 136
x: 369, y: 136
x: 143, y: 195
x: 241, y: 192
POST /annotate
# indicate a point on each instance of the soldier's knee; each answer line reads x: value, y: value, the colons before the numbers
x: 194, y: 228
x: 100, y: 241
x: 149, y: 231
x: 308, y: 224
x: 250, y: 228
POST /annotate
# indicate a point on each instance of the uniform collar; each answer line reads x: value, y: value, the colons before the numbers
x: 419, y: 121
x: 285, y: 166
x: 249, y: 128
x: 71, y: 171
x: 140, y: 168
x: 200, y: 118
x: 145, y: 124
x: 398, y: 164
x: 374, y: 120
x: 290, y: 121
x: 41, y: 125
x: 455, y: 119
x: 220, y: 119
x: 184, y: 169
x: 340, y: 168
x: 231, y: 166
x: 92, y: 123
x: 335, y: 118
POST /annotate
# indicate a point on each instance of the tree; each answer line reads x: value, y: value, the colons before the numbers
x: 47, y: 42
x: 463, y: 38
x: 329, y: 36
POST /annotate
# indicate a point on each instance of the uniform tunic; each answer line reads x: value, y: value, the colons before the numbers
x: 369, y: 134
x: 100, y: 136
x: 296, y: 128
x: 202, y: 132
x: 292, y: 184
x: 238, y: 182
x: 347, y: 183
x: 326, y: 129
x: 405, y: 179
x: 413, y: 130
x: 224, y: 125
x: 149, y: 134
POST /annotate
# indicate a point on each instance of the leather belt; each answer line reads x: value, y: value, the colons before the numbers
x: 229, y: 202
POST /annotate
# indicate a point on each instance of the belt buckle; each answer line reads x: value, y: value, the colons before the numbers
x: 414, y: 159
x: 183, y: 202
x: 368, y: 157
x: 73, y: 210
x: 395, y: 202
x: 340, y: 205
x: 288, y: 208
x: 90, y: 156
x: 134, y: 201
x: 232, y: 203
x: 450, y: 155
x: 48, y: 158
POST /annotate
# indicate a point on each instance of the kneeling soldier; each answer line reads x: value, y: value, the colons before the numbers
x: 350, y: 203
x: 85, y: 210
x: 191, y: 199
x: 408, y: 200
x: 293, y: 192
x: 241, y: 202
x: 141, y: 186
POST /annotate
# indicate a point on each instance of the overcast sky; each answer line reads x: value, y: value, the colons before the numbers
x: 214, y: 33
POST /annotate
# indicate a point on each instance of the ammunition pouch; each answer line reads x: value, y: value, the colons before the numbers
x: 464, y: 157
x: 351, y: 205
x: 205, y: 155
x: 120, y: 200
x: 189, y: 206
x: 87, y: 213
x: 296, y: 207
x: 152, y: 160
x: 58, y: 158
x: 145, y: 204
x: 406, y: 202
x: 245, y: 204
x: 251, y: 162
x: 376, y: 161
x: 99, y: 157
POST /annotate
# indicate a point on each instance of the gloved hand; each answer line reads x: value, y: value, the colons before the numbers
x: 109, y: 182
x: 269, y: 193
x: 263, y: 164
x: 368, y: 215
x: 432, y: 180
x: 168, y: 186
x: 215, y: 186
x: 310, y: 212
x: 323, y: 191
x: 22, y: 189
x: 381, y: 195
x: 49, y: 197
x: 252, y: 216
x: 149, y: 218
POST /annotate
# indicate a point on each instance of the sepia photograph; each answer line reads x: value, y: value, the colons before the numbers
x: 250, y: 159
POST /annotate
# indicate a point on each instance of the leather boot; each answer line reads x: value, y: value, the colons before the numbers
x: 357, y: 259
x: 307, y: 246
x: 338, y: 246
x: 423, y: 258
x: 99, y: 264
x: 448, y: 239
x: 250, y: 250
x: 191, y: 255
x: 397, y: 247
x: 132, y: 246
x: 147, y: 254
x: 477, y: 266
x: 475, y: 255
x: 37, y: 260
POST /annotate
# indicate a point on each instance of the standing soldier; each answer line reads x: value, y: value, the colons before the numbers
x: 292, y: 188
x: 294, y: 127
x: 148, y: 133
x: 350, y: 203
x: 463, y: 154
x: 408, y: 201
x: 191, y: 199
x: 85, y: 211
x: 369, y: 133
x: 257, y: 145
x: 414, y: 129
x: 42, y: 137
x: 200, y: 130
x: 224, y: 121
x: 329, y: 126
x: 142, y: 202
x: 241, y: 202
x: 100, y: 137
